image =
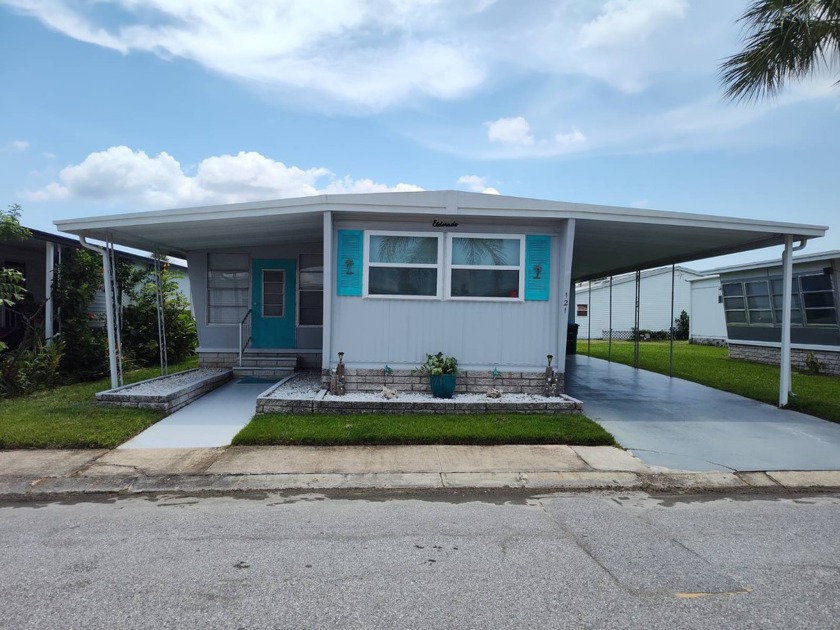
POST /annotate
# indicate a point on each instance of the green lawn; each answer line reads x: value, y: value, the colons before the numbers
x: 68, y: 417
x: 328, y: 430
x: 815, y: 394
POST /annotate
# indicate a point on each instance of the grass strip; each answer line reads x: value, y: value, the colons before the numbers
x: 379, y: 429
x: 68, y: 416
x: 814, y: 394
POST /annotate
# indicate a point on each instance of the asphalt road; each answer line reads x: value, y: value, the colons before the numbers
x: 466, y: 560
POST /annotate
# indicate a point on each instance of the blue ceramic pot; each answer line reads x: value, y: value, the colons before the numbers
x: 443, y: 385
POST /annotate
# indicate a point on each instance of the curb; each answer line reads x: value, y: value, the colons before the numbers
x: 33, y: 488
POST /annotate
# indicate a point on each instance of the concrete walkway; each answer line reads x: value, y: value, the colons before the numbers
x: 682, y: 425
x: 210, y: 421
x: 41, y: 474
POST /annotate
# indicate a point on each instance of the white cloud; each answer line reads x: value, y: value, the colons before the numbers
x: 122, y: 175
x: 510, y: 131
x: 475, y: 183
x: 518, y: 139
x: 377, y: 54
x: 17, y: 145
x: 623, y: 22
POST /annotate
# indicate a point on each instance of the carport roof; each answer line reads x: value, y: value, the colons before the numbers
x: 608, y: 240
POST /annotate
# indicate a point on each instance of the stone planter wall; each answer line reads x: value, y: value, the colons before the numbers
x: 764, y: 354
x: 167, y: 403
x: 560, y: 404
x: 469, y: 381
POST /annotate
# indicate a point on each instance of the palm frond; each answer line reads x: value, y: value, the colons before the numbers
x: 788, y: 40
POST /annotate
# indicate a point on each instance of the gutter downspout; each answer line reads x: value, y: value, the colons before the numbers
x: 787, y: 286
x: 109, y: 308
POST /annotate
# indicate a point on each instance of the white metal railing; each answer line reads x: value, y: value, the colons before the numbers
x: 244, y: 334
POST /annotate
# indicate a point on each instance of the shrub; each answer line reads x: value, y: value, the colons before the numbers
x: 436, y: 364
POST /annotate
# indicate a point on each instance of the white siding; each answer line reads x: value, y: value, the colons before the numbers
x: 707, y: 318
x: 654, y: 302
x: 373, y: 331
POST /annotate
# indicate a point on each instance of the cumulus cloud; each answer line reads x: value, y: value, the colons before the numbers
x: 475, y: 183
x: 123, y: 175
x: 510, y: 131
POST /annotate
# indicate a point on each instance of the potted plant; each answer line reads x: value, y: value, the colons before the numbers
x: 442, y: 371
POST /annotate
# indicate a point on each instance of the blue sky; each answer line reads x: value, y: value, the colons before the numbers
x: 125, y: 105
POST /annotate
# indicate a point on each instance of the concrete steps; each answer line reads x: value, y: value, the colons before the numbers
x: 266, y: 365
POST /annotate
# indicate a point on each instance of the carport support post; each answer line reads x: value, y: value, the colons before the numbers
x: 671, y: 365
x: 609, y: 343
x: 109, y: 308
x: 589, y: 322
x: 787, y: 286
x: 636, y: 334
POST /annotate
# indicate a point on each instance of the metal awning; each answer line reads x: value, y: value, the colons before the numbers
x: 608, y: 240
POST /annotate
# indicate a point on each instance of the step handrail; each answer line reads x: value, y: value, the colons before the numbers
x: 244, y: 334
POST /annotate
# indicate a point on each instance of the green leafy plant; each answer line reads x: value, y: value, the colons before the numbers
x: 812, y: 364
x: 681, y: 325
x: 436, y: 364
x: 78, y: 277
x: 140, y: 340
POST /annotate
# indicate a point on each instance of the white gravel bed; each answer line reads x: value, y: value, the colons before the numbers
x: 307, y: 387
x: 304, y: 386
x: 168, y: 384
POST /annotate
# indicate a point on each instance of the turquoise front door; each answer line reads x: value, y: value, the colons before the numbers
x: 273, y: 308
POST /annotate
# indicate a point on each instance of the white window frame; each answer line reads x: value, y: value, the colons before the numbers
x: 439, y: 266
x: 471, y: 298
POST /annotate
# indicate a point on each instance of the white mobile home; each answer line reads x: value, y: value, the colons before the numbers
x: 707, y: 325
x: 604, y: 305
x: 385, y: 278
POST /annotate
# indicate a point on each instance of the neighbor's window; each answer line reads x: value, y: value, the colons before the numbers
x: 795, y: 302
x: 228, y: 280
x: 486, y: 267
x: 759, y: 302
x: 583, y: 310
x: 818, y: 299
x: 311, y: 290
x: 402, y: 264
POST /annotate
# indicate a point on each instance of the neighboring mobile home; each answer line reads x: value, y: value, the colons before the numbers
x: 36, y: 258
x: 612, y: 305
x: 385, y: 278
x: 750, y: 299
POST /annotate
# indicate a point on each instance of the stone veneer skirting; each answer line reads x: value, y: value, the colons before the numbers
x: 560, y: 404
x: 764, y: 354
x: 468, y: 382
x: 306, y: 361
x: 167, y: 403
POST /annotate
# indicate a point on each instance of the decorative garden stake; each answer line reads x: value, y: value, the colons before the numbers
x: 550, y: 387
x: 339, y: 386
x: 387, y: 369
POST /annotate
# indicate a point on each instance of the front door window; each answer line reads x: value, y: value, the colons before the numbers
x: 274, y: 289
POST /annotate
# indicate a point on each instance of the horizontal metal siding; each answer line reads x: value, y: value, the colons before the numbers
x: 654, y: 304
x: 476, y: 333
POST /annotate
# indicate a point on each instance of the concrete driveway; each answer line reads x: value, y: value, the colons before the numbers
x: 682, y: 425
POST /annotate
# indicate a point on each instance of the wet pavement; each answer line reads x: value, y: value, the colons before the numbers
x: 682, y: 425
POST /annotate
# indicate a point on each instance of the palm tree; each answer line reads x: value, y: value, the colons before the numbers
x: 788, y: 39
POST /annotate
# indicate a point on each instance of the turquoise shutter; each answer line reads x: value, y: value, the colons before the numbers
x: 537, y: 267
x: 349, y: 266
